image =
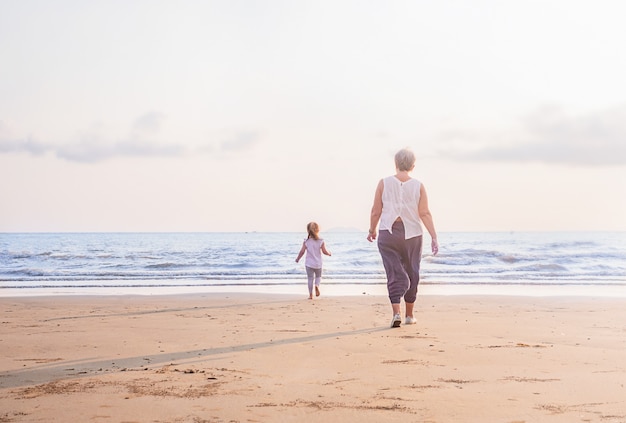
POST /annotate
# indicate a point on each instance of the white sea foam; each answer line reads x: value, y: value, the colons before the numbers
x: 198, y: 262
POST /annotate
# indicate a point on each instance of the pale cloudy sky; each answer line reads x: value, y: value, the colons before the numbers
x: 146, y: 115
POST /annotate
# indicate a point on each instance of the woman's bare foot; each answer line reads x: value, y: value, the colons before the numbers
x: 317, y: 291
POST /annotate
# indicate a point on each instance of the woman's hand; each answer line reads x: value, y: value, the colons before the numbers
x: 434, y: 245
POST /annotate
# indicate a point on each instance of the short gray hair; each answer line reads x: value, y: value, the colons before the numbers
x: 405, y: 160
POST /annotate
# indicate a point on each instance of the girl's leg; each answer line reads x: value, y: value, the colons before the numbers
x: 318, y: 279
x: 310, y: 274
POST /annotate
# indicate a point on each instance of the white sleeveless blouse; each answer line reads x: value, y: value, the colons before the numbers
x: 400, y: 200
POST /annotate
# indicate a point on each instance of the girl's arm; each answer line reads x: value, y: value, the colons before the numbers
x: 324, y: 250
x: 301, y: 253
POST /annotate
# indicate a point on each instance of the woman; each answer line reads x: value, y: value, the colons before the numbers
x: 401, y: 206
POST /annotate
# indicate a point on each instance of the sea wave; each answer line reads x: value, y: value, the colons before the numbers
x: 199, y: 259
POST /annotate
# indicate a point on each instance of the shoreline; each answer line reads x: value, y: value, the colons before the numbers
x: 281, y: 357
x: 332, y: 289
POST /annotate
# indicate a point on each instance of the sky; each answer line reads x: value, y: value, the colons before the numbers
x: 151, y: 115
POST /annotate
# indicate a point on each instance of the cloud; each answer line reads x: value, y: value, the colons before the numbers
x: 549, y: 136
x: 240, y: 141
x: 28, y: 145
x: 97, y: 144
x: 10, y: 145
x: 88, y: 152
x: 148, y: 124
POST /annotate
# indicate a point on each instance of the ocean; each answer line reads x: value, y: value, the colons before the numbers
x: 518, y: 263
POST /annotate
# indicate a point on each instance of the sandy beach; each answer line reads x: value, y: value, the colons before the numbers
x: 283, y: 358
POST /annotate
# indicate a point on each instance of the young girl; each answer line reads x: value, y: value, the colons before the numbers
x: 314, y: 247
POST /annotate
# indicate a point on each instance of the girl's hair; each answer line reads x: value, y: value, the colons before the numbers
x: 405, y: 160
x: 313, y: 229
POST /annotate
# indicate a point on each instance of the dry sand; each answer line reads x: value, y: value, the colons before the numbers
x: 272, y: 358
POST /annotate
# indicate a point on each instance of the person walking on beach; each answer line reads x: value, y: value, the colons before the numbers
x: 401, y: 206
x: 314, y: 246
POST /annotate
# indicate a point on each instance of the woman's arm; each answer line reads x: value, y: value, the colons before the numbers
x: 427, y: 219
x: 377, y: 210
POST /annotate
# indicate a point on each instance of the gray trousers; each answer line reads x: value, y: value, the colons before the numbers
x: 401, y: 258
x: 313, y: 275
